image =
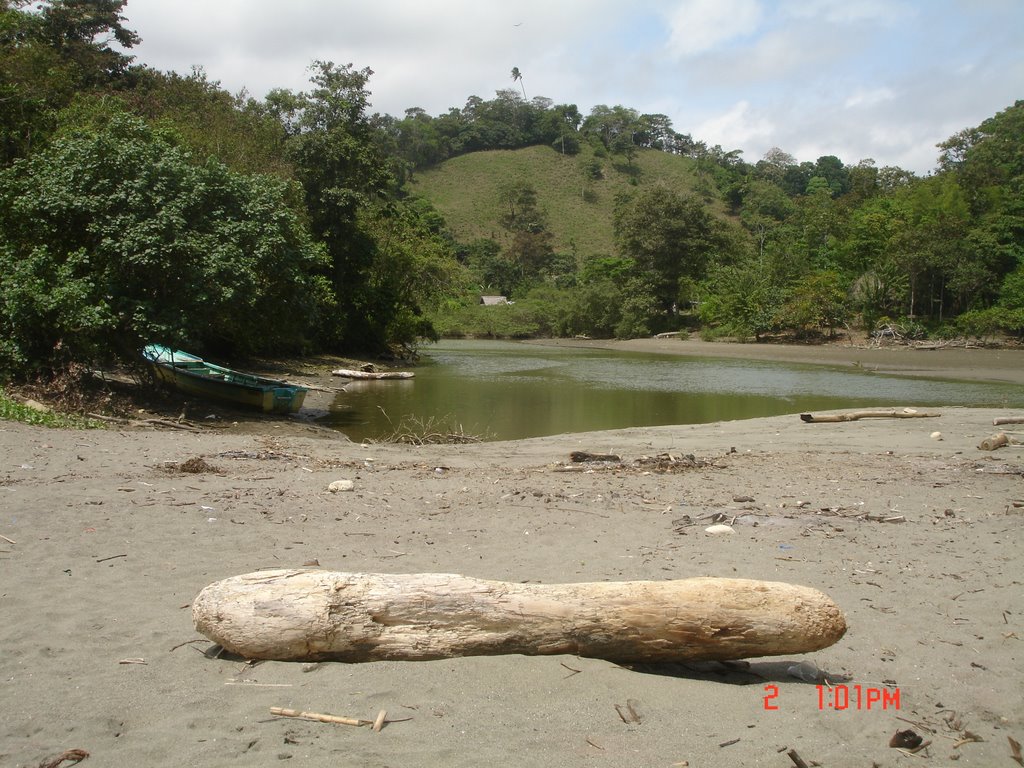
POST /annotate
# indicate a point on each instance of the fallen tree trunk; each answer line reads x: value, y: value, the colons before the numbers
x: 904, y: 413
x: 323, y: 615
x: 999, y: 420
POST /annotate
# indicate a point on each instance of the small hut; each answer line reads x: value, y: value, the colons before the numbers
x: 493, y: 301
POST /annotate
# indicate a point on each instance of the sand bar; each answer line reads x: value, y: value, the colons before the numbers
x: 106, y: 543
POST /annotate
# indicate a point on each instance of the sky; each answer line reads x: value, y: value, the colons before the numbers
x: 885, y: 80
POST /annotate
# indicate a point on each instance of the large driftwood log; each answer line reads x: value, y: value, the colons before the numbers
x: 904, y: 413
x: 347, y: 373
x: 998, y: 440
x: 320, y: 615
x: 999, y: 420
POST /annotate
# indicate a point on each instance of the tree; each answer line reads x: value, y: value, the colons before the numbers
x: 741, y: 301
x: 238, y: 130
x: 118, y: 238
x: 341, y: 167
x: 412, y: 270
x: 519, y: 201
x: 670, y: 237
x: 518, y: 76
x: 774, y: 165
x: 49, y: 51
x: 816, y: 301
x: 82, y: 30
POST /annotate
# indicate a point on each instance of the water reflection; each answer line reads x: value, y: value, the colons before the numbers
x: 506, y: 390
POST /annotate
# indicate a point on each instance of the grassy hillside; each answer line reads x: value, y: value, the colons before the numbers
x: 465, y: 190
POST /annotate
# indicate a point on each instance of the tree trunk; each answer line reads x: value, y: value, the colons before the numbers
x: 318, y: 615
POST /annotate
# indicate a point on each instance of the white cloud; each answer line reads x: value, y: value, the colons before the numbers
x: 737, y: 127
x: 697, y: 26
x: 850, y: 11
x: 855, y: 78
x: 864, y: 97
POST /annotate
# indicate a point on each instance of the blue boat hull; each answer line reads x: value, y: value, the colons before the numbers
x: 194, y: 376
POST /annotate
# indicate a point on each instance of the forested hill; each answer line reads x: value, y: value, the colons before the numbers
x: 138, y: 206
x: 576, y: 193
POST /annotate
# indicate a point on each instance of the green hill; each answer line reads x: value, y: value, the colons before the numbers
x: 579, y: 208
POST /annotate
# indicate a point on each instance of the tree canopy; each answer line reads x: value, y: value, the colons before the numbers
x: 141, y: 206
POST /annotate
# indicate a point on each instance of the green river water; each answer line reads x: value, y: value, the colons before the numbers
x: 502, y: 390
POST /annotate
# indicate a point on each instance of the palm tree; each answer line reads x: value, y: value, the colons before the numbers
x: 517, y: 75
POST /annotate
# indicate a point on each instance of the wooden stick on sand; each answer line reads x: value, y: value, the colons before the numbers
x: 904, y: 413
x: 319, y: 717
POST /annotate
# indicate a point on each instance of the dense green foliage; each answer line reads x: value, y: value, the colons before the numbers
x: 115, y: 237
x: 12, y: 410
x: 141, y: 206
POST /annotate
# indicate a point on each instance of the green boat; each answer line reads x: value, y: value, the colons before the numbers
x: 194, y: 376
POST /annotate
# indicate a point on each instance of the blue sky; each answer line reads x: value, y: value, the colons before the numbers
x: 879, y: 79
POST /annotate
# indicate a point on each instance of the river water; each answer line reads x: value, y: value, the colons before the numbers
x: 502, y: 390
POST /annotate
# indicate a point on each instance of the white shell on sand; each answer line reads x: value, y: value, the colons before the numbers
x: 936, y: 435
x: 341, y: 485
x: 718, y: 529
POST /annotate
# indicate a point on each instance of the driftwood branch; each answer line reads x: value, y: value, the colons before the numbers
x: 904, y: 413
x: 1007, y: 420
x: 68, y: 755
x: 347, y: 373
x: 318, y: 717
x: 319, y: 615
x: 998, y: 440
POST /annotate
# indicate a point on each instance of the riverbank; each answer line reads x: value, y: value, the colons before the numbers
x: 970, y: 364
x: 107, y: 537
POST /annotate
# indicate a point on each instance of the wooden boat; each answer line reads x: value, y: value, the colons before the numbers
x: 194, y: 376
x: 353, y: 374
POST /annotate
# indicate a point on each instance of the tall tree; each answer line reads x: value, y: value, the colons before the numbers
x: 342, y: 170
x: 49, y: 51
x: 83, y: 30
x: 517, y: 76
x: 670, y: 237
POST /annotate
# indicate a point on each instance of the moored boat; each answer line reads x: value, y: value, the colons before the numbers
x: 195, y: 376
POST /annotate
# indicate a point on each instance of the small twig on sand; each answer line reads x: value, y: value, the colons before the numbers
x: 9, y: 541
x: 171, y: 424
x: 189, y: 642
x: 73, y: 755
x: 111, y: 419
x: 318, y: 717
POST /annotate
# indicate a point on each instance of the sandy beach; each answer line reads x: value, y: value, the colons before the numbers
x: 107, y: 540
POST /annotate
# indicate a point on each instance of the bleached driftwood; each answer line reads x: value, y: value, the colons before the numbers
x: 999, y: 420
x: 902, y: 413
x: 998, y: 440
x: 320, y: 615
x: 347, y: 373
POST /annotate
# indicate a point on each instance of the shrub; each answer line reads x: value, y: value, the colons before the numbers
x: 117, y: 237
